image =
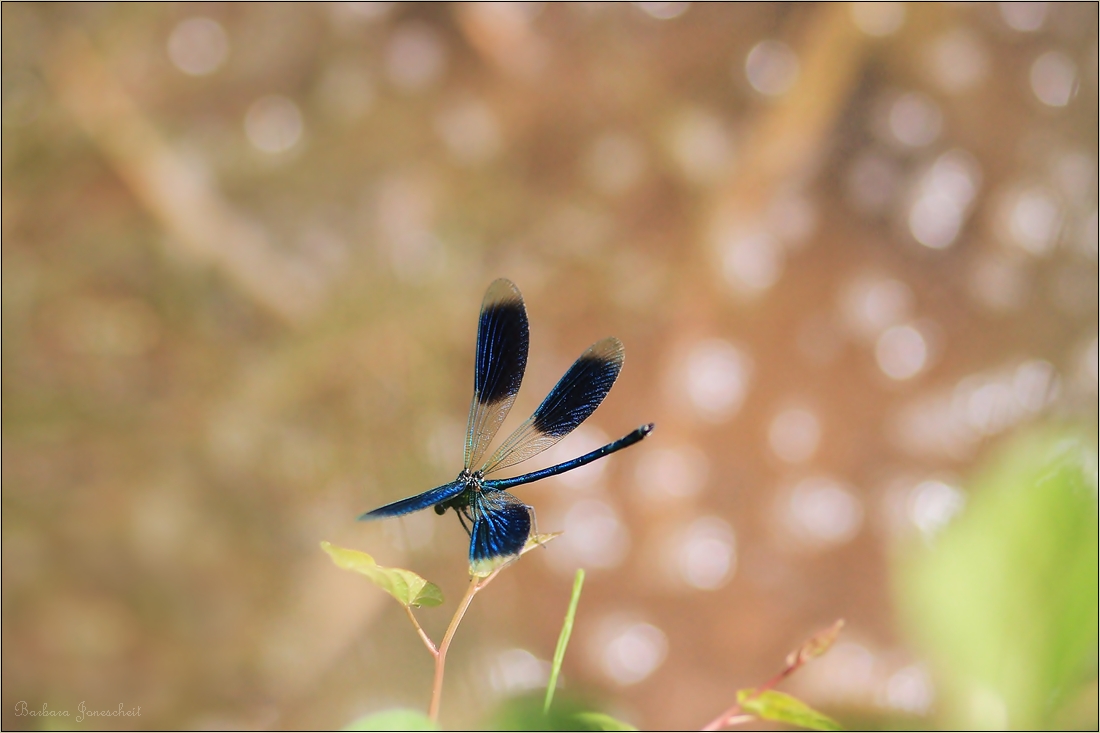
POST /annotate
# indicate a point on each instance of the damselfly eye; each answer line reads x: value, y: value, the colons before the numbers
x: 440, y: 509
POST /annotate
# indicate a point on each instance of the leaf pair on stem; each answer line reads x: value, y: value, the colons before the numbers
x: 413, y: 591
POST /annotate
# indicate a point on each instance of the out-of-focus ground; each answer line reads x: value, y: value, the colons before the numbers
x: 847, y: 248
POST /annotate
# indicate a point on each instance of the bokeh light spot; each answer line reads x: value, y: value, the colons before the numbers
x: 672, y: 473
x: 273, y: 124
x: 595, y: 537
x: 716, y: 379
x: 198, y: 46
x: 470, y: 131
x: 415, y: 57
x: 663, y: 10
x: 1054, y: 79
x: 901, y: 352
x: 514, y: 671
x: 707, y: 554
x: 957, y: 60
x: 871, y: 304
x: 1025, y: 17
x: 878, y: 19
x: 944, y: 195
x: 824, y: 512
x: 1033, y: 219
x: 772, y: 68
x: 915, y: 120
x: 932, y: 504
x: 909, y: 690
x: 628, y: 652
x: 701, y: 146
x: 752, y: 261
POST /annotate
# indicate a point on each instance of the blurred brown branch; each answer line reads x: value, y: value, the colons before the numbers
x: 171, y: 186
x: 786, y: 142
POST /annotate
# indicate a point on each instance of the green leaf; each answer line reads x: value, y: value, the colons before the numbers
x: 397, y: 719
x: 600, y: 721
x: 781, y: 707
x: 406, y: 586
x: 563, y: 639
x: 524, y: 712
x: 1003, y: 601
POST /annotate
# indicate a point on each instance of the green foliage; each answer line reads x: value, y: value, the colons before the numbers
x: 1004, y: 601
x: 600, y: 721
x: 563, y: 639
x: 397, y: 719
x: 406, y: 586
x: 525, y: 713
x: 782, y: 708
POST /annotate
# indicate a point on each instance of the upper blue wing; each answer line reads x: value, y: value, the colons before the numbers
x: 570, y: 402
x: 502, y: 341
x: 418, y: 502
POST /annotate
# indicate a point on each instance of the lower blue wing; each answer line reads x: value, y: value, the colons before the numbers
x: 502, y: 524
x: 418, y: 502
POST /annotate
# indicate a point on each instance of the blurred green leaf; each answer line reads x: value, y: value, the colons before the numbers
x: 1005, y: 600
x: 781, y: 707
x: 563, y: 639
x: 568, y: 713
x: 406, y: 586
x: 398, y: 719
x: 600, y: 721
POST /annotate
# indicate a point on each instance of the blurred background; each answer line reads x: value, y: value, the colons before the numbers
x: 851, y: 250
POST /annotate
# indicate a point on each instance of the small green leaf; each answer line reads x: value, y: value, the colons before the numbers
x: 778, y: 706
x: 485, y: 568
x: 563, y: 639
x: 406, y: 586
x: 397, y: 719
x: 600, y: 721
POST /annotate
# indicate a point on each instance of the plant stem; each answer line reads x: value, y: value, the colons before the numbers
x: 811, y: 649
x: 423, y: 636
x: 440, y: 654
x: 733, y: 716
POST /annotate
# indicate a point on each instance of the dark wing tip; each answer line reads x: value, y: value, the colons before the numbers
x: 502, y: 342
x: 581, y: 389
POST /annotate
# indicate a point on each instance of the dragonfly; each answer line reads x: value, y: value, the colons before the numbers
x: 498, y: 523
